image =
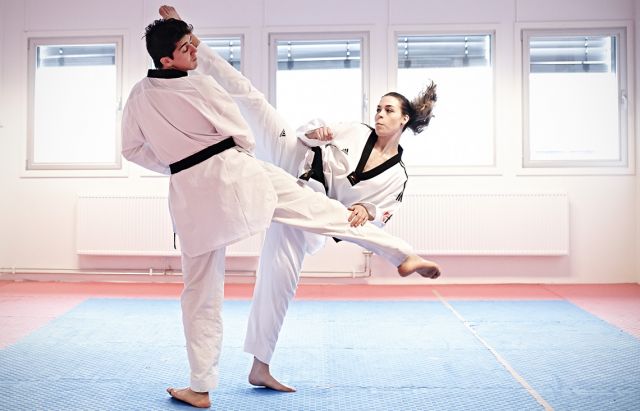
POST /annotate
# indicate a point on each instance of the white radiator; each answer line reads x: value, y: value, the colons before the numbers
x: 135, y: 226
x: 435, y: 224
x: 484, y: 224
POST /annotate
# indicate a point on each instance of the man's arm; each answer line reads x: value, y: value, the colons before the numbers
x: 135, y: 147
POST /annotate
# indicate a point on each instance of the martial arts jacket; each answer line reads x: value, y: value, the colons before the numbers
x: 221, y: 200
x: 379, y: 190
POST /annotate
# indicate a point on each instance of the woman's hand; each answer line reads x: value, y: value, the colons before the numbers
x: 359, y: 215
x: 322, y: 134
x: 169, y: 12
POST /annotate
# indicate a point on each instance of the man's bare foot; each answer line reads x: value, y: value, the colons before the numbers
x: 415, y: 263
x: 196, y: 399
x: 168, y: 12
x: 261, y: 377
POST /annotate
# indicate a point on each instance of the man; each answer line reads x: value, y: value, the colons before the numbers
x: 189, y: 127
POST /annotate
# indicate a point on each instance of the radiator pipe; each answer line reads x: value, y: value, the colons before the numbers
x: 167, y: 272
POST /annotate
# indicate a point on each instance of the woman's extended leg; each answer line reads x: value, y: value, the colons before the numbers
x: 307, y: 210
x: 276, y: 141
x: 278, y: 274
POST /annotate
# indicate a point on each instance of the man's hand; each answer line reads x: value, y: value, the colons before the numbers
x: 359, y: 215
x: 322, y: 134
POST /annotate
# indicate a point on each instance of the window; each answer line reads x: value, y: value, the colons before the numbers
x: 574, y: 94
x: 230, y: 48
x: 318, y: 77
x: 462, y: 130
x: 74, y: 99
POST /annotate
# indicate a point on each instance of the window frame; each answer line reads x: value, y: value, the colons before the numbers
x: 33, y: 41
x: 330, y: 33
x: 625, y: 66
x: 2, y: 77
x: 493, y: 31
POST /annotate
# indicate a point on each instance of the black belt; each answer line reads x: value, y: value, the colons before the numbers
x: 316, y: 172
x: 201, y: 155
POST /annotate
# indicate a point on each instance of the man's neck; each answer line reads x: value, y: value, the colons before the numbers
x: 166, y: 73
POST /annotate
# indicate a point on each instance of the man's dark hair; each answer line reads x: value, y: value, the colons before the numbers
x: 162, y: 36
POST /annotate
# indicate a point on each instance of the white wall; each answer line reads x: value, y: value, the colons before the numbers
x: 37, y: 221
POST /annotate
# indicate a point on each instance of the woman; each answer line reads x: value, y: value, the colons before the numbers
x: 352, y: 163
x: 362, y: 166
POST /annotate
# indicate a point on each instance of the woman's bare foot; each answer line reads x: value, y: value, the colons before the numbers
x: 196, y: 399
x: 415, y: 263
x: 261, y: 377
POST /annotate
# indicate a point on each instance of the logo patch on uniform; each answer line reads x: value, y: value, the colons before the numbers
x: 283, y: 133
x: 386, y: 217
x: 345, y: 150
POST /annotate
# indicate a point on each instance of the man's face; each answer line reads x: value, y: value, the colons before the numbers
x: 184, y: 55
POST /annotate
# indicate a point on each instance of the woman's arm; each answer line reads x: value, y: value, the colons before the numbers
x: 380, y: 212
x: 318, y: 132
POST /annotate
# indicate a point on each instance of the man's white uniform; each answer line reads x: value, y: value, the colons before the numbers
x: 225, y: 198
x: 379, y: 190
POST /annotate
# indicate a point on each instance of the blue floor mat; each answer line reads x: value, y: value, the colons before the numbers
x: 120, y: 354
x: 573, y: 359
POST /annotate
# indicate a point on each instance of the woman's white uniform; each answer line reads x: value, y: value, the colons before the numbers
x: 379, y: 190
x: 223, y: 199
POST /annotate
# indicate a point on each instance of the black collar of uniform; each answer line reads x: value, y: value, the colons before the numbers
x: 166, y: 73
x: 359, y: 175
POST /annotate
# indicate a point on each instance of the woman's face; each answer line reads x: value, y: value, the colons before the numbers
x: 389, y: 118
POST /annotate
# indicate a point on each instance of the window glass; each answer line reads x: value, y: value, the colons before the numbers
x: 462, y: 130
x: 229, y: 48
x: 573, y: 113
x: 74, y: 106
x: 319, y: 78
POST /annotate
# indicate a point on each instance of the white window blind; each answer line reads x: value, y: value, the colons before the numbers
x: 318, y: 54
x: 572, y: 54
x: 444, y: 51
